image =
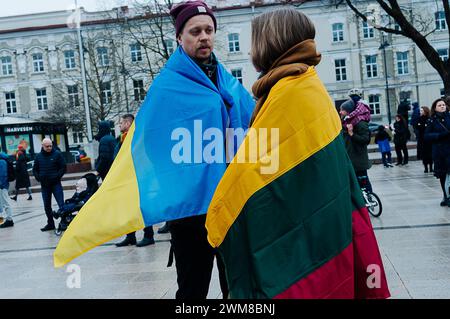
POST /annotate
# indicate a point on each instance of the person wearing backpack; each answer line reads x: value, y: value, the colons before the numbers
x: 5, y: 178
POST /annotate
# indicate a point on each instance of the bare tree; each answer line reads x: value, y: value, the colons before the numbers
x: 122, y: 47
x: 150, y: 27
x: 414, y: 25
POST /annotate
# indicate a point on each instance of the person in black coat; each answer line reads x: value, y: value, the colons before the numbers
x: 403, y: 109
x: 423, y: 146
x: 438, y: 133
x: 401, y: 137
x: 49, y: 167
x: 105, y: 149
x: 22, y: 177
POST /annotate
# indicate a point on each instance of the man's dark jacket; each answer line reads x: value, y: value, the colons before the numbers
x: 105, y: 148
x: 49, y: 167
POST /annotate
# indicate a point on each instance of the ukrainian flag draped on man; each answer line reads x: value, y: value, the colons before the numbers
x: 146, y: 185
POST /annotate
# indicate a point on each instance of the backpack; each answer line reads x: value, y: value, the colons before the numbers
x: 11, y: 170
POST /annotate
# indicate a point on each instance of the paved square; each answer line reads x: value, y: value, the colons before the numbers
x: 413, y: 233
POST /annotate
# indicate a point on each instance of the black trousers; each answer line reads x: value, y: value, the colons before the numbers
x: 194, y: 258
x: 363, y: 180
x: 148, y: 233
x: 401, y: 158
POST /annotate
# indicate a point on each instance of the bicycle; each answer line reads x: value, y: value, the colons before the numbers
x: 373, y: 202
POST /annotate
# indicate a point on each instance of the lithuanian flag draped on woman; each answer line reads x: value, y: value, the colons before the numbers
x: 153, y: 179
x: 301, y: 231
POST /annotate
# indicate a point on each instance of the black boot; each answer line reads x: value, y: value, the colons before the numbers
x: 14, y: 198
x: 48, y: 227
x: 145, y: 242
x: 29, y: 197
x: 7, y: 223
x: 127, y: 241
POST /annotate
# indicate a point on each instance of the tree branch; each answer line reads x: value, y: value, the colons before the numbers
x: 364, y: 18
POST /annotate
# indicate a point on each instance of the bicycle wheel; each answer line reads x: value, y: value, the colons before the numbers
x: 374, y: 205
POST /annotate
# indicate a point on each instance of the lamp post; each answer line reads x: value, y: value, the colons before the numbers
x: 124, y: 73
x: 83, y: 74
x: 374, y: 19
x: 382, y: 47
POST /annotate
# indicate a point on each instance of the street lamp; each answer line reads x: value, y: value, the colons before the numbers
x: 383, y: 46
x: 124, y: 74
x: 83, y: 73
x: 374, y: 19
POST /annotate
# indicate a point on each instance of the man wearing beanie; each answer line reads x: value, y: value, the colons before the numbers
x: 195, y: 61
x: 356, y: 137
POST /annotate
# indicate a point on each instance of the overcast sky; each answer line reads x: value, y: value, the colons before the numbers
x: 17, y: 7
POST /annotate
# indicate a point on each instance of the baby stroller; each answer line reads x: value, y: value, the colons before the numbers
x: 86, y: 187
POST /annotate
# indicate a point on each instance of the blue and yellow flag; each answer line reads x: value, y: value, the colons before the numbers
x: 166, y: 168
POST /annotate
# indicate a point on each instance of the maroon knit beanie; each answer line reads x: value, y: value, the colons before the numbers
x: 182, y: 12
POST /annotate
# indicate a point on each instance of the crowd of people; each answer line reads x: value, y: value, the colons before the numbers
x: 431, y: 127
x: 293, y: 57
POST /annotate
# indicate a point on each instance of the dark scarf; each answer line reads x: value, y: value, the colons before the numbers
x: 209, y: 68
x: 294, y: 62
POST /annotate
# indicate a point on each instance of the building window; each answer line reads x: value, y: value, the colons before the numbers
x: 41, y: 98
x: 139, y: 91
x: 6, y: 65
x: 11, y: 106
x: 233, y: 42
x: 443, y: 54
x: 136, y: 54
x: 102, y: 56
x: 368, y: 31
x: 439, y: 17
x: 237, y: 73
x: 374, y: 103
x: 77, y: 137
x: 338, y: 32
x: 341, y: 71
x: 169, y: 46
x: 38, y: 62
x: 402, y: 63
x: 69, y: 58
x: 106, y: 93
x: 371, y: 66
x: 442, y: 91
x: 72, y: 91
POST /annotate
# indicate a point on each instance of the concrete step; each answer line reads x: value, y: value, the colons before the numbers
x: 373, y: 148
x: 68, y: 182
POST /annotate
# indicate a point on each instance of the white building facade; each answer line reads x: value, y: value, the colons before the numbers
x: 40, y: 63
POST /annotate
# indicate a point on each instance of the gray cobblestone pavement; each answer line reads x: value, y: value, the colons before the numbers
x: 413, y: 234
